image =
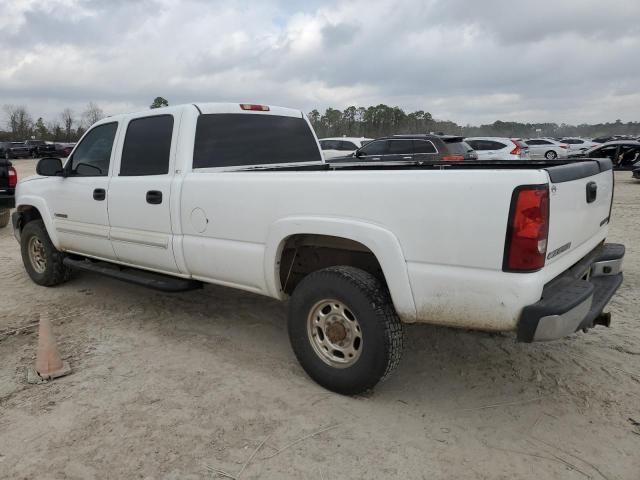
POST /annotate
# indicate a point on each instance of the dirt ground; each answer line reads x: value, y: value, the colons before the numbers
x: 177, y: 386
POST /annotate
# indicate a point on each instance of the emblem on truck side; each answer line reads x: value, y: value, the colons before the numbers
x: 558, y: 251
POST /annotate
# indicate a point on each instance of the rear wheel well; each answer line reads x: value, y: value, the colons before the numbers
x: 28, y: 214
x: 303, y: 254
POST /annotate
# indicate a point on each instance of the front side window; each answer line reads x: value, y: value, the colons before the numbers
x: 605, y: 152
x: 379, y: 147
x: 147, y: 146
x: 92, y: 156
x: 237, y: 139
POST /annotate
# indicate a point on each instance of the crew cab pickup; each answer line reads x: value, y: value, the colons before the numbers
x: 8, y: 181
x: 239, y: 195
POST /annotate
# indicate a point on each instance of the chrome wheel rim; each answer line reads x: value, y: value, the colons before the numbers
x: 334, y: 333
x: 551, y: 155
x: 37, y: 255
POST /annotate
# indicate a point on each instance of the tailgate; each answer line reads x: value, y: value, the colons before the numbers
x: 579, y: 203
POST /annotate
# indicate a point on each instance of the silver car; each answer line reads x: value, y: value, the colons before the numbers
x: 546, y: 148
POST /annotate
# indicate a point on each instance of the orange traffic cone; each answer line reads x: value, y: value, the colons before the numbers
x: 49, y: 365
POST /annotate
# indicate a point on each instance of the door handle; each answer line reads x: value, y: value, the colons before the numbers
x: 407, y: 158
x: 99, y: 194
x: 154, y: 197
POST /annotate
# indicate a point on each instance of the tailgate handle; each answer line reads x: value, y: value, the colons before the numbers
x: 592, y: 192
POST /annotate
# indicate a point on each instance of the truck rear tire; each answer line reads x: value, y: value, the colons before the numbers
x: 42, y: 261
x: 344, y: 330
x: 4, y: 217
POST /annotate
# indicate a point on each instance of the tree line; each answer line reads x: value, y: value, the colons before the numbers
x: 380, y: 120
x: 67, y: 126
x: 372, y: 122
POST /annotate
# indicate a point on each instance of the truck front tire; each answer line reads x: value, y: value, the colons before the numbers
x: 344, y: 330
x: 4, y: 217
x: 42, y: 261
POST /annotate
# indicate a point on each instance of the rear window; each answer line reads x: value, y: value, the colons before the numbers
x: 458, y: 148
x: 236, y: 139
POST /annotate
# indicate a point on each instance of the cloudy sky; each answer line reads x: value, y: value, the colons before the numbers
x: 470, y: 61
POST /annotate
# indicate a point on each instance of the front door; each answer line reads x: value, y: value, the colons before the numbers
x: 78, y: 201
x: 140, y: 192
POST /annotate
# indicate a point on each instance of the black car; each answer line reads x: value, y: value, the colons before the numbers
x: 8, y: 180
x: 14, y: 150
x: 622, y: 153
x: 39, y: 148
x: 412, y: 148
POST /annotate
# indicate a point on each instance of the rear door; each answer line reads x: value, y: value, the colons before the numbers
x: 140, y: 192
x: 399, y: 150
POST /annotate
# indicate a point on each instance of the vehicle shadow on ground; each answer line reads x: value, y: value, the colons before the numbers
x: 451, y: 366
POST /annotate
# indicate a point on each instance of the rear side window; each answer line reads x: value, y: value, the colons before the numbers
x: 347, y: 146
x: 458, y: 148
x: 485, y: 145
x: 329, y: 144
x: 236, y: 139
x: 423, y: 146
x: 147, y: 146
x: 400, y: 147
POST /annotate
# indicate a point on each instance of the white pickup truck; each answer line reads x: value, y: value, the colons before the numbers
x: 238, y: 195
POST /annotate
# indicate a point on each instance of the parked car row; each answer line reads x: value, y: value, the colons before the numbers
x: 406, y: 148
x: 622, y: 153
x: 34, y: 149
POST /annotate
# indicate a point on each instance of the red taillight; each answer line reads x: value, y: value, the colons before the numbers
x: 562, y: 145
x: 454, y: 158
x: 251, y: 106
x: 515, y: 151
x: 13, y: 177
x: 528, y: 229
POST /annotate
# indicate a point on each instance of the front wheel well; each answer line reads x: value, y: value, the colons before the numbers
x: 28, y: 213
x: 303, y: 254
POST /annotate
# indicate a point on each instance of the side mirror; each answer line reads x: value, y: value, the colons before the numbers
x: 358, y: 153
x: 49, y: 167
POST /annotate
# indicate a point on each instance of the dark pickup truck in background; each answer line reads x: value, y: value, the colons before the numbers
x: 14, y: 150
x: 8, y: 181
x: 39, y: 148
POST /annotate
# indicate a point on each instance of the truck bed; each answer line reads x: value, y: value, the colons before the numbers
x: 559, y: 170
